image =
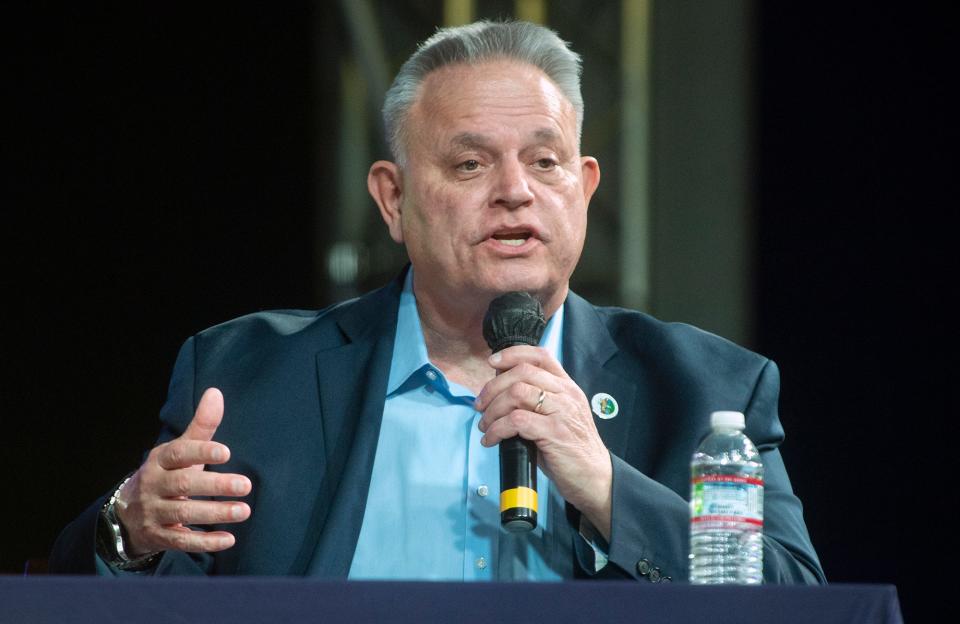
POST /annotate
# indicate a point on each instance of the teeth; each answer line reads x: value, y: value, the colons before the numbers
x: 513, y: 242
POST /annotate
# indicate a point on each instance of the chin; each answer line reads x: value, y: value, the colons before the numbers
x: 508, y: 281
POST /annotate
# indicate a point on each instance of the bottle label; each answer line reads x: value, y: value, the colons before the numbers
x: 727, y: 498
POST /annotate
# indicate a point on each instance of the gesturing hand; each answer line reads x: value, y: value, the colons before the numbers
x: 571, y: 454
x: 155, y: 505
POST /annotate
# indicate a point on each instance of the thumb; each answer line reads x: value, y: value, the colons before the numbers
x: 207, y: 417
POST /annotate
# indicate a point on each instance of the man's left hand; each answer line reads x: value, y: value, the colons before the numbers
x: 571, y: 452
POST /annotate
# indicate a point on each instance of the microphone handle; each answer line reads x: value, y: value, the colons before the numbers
x: 518, y: 473
x: 518, y: 485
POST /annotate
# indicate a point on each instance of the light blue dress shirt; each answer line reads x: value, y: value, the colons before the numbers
x: 433, y: 509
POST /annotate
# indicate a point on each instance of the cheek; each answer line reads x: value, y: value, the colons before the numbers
x: 425, y: 203
x: 574, y: 233
x: 439, y: 223
x: 569, y: 205
x: 572, y: 226
x: 450, y: 207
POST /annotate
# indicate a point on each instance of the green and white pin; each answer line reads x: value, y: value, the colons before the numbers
x: 604, y: 405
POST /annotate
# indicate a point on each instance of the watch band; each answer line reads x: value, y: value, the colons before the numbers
x: 111, y: 534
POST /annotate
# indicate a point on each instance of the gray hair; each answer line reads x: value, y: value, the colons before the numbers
x: 476, y: 43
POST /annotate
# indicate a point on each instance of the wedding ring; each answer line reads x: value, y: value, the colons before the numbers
x: 543, y: 395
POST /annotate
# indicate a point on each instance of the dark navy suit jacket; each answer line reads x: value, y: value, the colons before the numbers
x: 304, y: 395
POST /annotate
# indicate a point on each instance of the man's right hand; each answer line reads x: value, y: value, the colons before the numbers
x: 155, y: 505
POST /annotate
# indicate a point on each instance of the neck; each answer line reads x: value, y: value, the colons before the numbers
x: 454, y: 340
x: 453, y: 333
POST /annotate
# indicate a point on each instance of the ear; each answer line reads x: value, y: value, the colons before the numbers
x: 385, y: 183
x: 590, y: 176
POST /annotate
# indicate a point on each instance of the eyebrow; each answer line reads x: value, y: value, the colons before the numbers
x: 469, y: 140
x: 546, y: 135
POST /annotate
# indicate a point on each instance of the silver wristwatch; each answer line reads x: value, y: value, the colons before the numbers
x: 110, y: 538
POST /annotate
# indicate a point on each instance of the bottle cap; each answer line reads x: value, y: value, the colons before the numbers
x: 727, y: 420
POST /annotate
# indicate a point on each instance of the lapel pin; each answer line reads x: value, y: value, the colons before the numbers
x: 604, y: 405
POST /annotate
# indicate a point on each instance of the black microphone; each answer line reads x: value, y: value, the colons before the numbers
x: 516, y: 318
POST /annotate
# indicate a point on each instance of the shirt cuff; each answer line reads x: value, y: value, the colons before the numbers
x: 591, y: 549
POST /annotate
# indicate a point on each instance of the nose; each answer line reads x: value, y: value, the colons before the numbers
x: 513, y: 188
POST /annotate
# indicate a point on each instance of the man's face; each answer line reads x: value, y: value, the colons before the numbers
x: 494, y: 194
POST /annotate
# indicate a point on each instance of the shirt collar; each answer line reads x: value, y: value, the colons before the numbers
x: 410, y: 349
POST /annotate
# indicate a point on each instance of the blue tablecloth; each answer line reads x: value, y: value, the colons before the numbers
x: 239, y: 600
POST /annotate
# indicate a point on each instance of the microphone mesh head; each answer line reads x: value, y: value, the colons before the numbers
x: 513, y: 318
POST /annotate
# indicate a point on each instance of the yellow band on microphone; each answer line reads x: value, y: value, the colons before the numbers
x: 518, y: 497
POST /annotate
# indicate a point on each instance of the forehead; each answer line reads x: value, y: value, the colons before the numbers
x: 490, y: 98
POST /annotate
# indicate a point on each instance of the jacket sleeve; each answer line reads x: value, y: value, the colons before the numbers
x: 649, y: 537
x: 74, y: 551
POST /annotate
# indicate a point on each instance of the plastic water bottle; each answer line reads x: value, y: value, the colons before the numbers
x: 726, y: 506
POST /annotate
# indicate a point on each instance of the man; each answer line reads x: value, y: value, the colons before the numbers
x: 362, y: 439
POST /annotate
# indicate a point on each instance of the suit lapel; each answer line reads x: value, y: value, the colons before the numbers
x: 590, y: 358
x: 352, y: 380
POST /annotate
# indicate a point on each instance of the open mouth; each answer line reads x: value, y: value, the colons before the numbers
x: 512, y: 239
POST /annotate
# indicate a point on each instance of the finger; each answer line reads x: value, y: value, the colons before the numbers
x: 207, y: 417
x: 541, y: 428
x: 518, y: 396
x: 183, y: 453
x: 538, y: 356
x: 515, y: 423
x: 188, y: 540
x: 203, y: 483
x: 188, y: 511
x: 524, y: 372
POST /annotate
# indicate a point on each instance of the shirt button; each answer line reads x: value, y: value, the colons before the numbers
x: 481, y: 563
x: 643, y: 567
x: 432, y: 376
x: 483, y: 490
x: 654, y: 575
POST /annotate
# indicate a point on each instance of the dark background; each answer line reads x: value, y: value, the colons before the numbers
x: 164, y: 181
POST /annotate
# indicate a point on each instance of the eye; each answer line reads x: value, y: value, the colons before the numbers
x: 546, y: 164
x: 469, y: 165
